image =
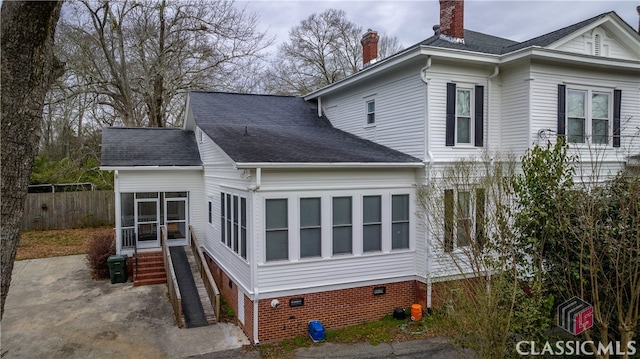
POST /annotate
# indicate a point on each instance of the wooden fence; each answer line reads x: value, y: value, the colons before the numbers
x: 172, y: 282
x: 68, y: 210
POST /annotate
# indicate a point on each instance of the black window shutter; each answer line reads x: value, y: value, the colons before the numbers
x: 562, y: 105
x: 448, y: 220
x: 451, y: 114
x: 479, y: 116
x: 480, y: 196
x: 617, y: 99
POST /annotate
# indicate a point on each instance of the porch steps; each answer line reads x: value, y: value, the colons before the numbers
x: 150, y: 269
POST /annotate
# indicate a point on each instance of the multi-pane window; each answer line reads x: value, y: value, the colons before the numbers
x: 233, y: 221
x: 243, y: 227
x: 310, y: 227
x: 463, y: 116
x: 371, y: 112
x: 588, y: 116
x: 463, y: 219
x: 400, y: 221
x: 342, y: 225
x: 210, y: 213
x: 371, y: 223
x: 277, y: 229
x: 600, y: 117
x: 576, y: 116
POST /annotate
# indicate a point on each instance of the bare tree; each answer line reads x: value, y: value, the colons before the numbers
x: 140, y: 58
x: 28, y: 69
x: 322, y: 49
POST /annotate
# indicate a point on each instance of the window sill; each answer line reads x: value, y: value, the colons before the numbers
x: 370, y: 125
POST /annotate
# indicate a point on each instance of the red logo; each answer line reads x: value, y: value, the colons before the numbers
x: 575, y: 316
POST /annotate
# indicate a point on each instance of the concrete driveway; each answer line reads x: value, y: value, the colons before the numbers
x: 55, y: 310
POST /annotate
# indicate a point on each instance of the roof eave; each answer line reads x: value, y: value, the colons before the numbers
x: 151, y: 168
x: 420, y: 50
x: 298, y: 165
x: 573, y: 58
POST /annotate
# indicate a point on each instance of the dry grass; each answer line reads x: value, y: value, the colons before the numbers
x: 59, y: 242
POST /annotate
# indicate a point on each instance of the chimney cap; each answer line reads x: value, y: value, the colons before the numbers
x: 436, y: 29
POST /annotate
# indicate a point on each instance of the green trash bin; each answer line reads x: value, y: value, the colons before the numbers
x: 117, y: 269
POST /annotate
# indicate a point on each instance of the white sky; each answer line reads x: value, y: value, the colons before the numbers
x: 412, y: 21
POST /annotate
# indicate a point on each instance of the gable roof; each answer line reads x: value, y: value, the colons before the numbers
x: 486, y: 47
x: 550, y: 38
x: 281, y: 129
x: 127, y: 147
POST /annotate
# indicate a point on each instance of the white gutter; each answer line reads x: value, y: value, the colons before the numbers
x: 150, y: 168
x: 496, y: 71
x: 294, y: 165
x: 429, y: 157
x: 258, y: 184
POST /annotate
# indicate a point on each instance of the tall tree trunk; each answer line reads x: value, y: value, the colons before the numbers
x: 28, y: 70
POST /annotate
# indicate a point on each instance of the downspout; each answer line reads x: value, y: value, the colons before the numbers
x: 118, y: 209
x: 319, y: 106
x: 429, y: 157
x: 254, y: 259
x: 496, y: 71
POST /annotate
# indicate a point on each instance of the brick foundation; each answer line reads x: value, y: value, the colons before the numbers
x: 335, y: 309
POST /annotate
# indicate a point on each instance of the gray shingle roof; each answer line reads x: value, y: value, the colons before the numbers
x: 473, y: 41
x: 124, y: 147
x: 281, y: 129
x: 479, y: 42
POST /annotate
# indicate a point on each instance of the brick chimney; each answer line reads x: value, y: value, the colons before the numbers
x: 452, y: 21
x: 369, y: 47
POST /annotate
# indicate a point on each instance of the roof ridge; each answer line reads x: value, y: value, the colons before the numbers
x: 243, y: 94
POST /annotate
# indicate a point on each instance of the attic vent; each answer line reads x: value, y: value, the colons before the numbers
x: 597, y: 45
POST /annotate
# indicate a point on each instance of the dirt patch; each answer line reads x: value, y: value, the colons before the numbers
x: 58, y: 242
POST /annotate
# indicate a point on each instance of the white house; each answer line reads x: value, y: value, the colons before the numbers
x: 309, y: 202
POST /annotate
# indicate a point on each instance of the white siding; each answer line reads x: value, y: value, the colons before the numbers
x: 170, y: 181
x: 335, y: 270
x: 515, y: 115
x: 400, y: 111
x: 544, y: 110
x: 220, y: 176
x: 440, y: 75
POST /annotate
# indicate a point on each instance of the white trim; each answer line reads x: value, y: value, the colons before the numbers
x: 285, y: 165
x: 151, y: 168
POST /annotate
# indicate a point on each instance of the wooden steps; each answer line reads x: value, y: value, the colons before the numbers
x: 150, y: 269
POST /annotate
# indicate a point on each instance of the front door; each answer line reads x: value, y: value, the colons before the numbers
x: 147, y: 222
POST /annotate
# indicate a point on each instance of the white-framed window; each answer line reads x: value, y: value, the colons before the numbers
x: 400, y: 221
x: 210, y: 212
x: 589, y: 116
x: 327, y: 224
x: 464, y: 218
x: 371, y: 112
x: 342, y: 225
x: 233, y: 222
x: 372, y: 223
x: 464, y: 116
x: 310, y: 227
x: 277, y: 229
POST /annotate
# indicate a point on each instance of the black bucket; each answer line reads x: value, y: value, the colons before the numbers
x: 399, y: 314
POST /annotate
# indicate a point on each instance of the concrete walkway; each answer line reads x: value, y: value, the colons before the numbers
x: 55, y: 310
